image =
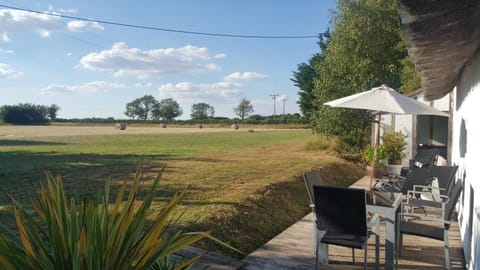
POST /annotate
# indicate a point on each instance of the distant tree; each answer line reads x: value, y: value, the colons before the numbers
x: 202, y: 111
x: 142, y: 108
x: 24, y: 113
x: 52, y: 111
x: 244, y: 108
x: 167, y: 109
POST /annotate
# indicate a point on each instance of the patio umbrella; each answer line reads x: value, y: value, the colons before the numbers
x: 384, y: 99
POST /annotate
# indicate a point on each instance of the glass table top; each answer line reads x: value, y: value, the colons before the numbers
x: 379, y: 198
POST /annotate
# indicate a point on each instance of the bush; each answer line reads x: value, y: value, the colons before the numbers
x: 66, y: 234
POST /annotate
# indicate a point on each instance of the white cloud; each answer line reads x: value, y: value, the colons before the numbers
x: 15, y: 21
x: 124, y: 61
x: 245, y: 76
x: 143, y: 85
x: 81, y: 26
x: 61, y: 10
x: 220, y: 56
x: 6, y: 51
x: 89, y: 87
x: 4, y: 37
x: 8, y: 72
x: 187, y: 91
x: 12, y: 21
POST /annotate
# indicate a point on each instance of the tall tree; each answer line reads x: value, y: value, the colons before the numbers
x: 202, y: 111
x: 303, y: 78
x: 52, y: 111
x: 244, y: 108
x: 363, y: 52
x: 142, y: 108
x: 168, y: 109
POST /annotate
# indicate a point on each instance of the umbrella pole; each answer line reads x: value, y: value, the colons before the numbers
x: 375, y: 145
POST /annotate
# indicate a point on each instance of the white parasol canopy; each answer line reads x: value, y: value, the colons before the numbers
x: 384, y: 99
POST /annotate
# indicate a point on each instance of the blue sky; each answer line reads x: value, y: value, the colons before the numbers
x: 92, y: 69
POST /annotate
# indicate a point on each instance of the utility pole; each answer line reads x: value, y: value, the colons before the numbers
x: 283, y: 100
x: 274, y: 96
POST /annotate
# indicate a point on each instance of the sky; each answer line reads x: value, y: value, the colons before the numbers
x: 93, y: 69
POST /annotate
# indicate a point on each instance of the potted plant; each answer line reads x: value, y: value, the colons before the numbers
x: 394, y: 145
x: 378, y: 160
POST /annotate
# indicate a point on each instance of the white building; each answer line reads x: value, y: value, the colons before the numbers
x: 443, y: 39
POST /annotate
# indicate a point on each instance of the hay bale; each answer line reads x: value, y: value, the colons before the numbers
x: 163, y: 125
x: 199, y: 125
x: 121, y: 126
x: 234, y: 126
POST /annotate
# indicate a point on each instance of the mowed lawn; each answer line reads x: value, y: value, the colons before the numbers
x: 245, y: 186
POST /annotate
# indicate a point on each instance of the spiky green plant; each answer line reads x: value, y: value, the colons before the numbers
x: 66, y: 234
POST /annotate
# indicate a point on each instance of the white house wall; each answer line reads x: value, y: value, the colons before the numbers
x: 466, y: 153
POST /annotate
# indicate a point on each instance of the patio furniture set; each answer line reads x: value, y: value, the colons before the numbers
x: 420, y: 203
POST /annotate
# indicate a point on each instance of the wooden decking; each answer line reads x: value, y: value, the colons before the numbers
x: 292, y: 249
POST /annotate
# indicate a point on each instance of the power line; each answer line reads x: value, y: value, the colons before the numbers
x: 158, y: 28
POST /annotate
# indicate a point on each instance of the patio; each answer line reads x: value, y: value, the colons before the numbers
x: 292, y: 249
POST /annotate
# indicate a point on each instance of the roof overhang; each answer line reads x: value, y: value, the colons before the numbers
x: 441, y: 36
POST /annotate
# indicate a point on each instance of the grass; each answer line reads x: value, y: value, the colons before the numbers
x: 245, y: 186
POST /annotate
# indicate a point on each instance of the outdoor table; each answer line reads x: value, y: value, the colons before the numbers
x: 386, y: 204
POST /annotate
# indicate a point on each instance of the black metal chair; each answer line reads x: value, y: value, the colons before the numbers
x: 407, y: 224
x: 312, y: 178
x: 445, y: 176
x: 342, y: 220
x: 417, y: 176
x: 425, y: 158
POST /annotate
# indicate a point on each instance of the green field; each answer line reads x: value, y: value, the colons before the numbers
x: 246, y: 186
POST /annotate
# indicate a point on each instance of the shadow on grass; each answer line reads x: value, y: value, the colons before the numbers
x: 27, y: 143
x: 83, y: 174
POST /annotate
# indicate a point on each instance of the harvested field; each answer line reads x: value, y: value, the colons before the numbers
x: 235, y: 179
x: 48, y: 131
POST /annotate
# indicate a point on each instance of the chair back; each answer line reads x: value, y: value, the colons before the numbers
x: 452, y: 201
x: 417, y: 176
x: 427, y: 158
x: 446, y: 177
x: 312, y: 178
x: 341, y: 210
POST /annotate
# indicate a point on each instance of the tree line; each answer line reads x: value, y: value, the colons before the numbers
x: 148, y: 108
x: 27, y: 113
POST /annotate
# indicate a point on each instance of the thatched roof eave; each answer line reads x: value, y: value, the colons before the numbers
x: 442, y: 35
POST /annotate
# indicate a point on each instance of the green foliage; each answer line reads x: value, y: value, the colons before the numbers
x: 394, y: 145
x: 379, y: 153
x: 167, y: 109
x: 409, y: 77
x: 304, y: 76
x: 142, y: 108
x: 52, y: 111
x: 244, y: 108
x: 362, y: 52
x: 66, y: 234
x: 27, y: 113
x: 201, y: 111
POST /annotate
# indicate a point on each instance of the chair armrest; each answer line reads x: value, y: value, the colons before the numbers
x: 426, y: 218
x: 374, y: 220
x: 407, y: 204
